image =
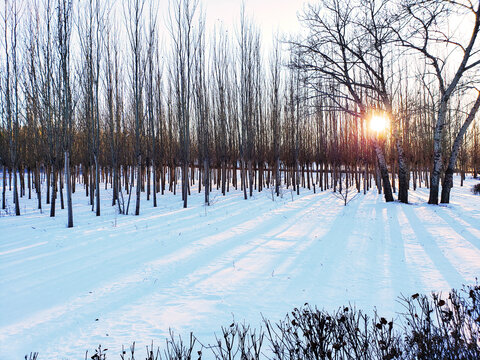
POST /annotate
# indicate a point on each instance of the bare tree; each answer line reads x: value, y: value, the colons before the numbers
x: 47, y: 118
x: 181, y: 26
x: 427, y: 19
x: 32, y: 94
x: 3, y: 146
x: 110, y: 62
x: 150, y: 84
x: 220, y: 68
x: 64, y: 8
x: 249, y: 60
x: 336, y: 50
x: 448, y: 177
x: 133, y: 14
x: 202, y: 108
x: 12, y: 100
x: 377, y: 22
x: 91, y: 28
x: 224, y: 111
x: 275, y: 110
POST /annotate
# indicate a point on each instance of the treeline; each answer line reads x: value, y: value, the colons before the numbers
x: 89, y: 94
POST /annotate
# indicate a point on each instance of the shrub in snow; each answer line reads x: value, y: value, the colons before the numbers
x: 476, y: 189
x: 433, y: 327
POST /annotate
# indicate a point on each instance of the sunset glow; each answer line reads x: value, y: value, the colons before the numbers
x: 378, y: 123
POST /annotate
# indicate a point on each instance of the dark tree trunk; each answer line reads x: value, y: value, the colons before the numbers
x: 154, y: 185
x: 38, y: 187
x: 139, y: 184
x: 224, y: 176
x: 4, y: 189
x: 206, y: 177
x: 69, y: 190
x: 387, y: 188
x: 244, y: 180
x: 114, y: 185
x: 278, y: 180
x: 250, y: 177
x: 437, y: 153
x: 148, y: 179
x: 54, y: 193
x: 185, y: 184
x: 402, y: 177
x: 48, y: 174
x: 29, y: 183
x: 97, y: 186
x: 447, y: 185
x: 60, y: 189
x: 15, y: 192
x: 448, y: 179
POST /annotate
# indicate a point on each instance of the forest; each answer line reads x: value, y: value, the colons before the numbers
x: 177, y: 172
x: 91, y: 96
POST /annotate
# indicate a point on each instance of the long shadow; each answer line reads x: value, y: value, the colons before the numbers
x: 397, y: 251
x: 428, y: 242
x: 174, y: 271
x: 266, y: 238
x: 310, y: 209
x: 332, y: 244
x: 451, y: 219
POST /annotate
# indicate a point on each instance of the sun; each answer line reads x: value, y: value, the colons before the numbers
x: 378, y: 123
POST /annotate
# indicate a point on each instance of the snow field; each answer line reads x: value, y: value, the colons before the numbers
x: 116, y: 279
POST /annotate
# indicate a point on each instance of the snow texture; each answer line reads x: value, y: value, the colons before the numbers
x: 115, y: 279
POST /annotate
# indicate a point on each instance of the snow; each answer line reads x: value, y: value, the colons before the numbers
x: 116, y: 279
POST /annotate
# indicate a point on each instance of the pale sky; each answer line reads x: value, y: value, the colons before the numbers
x: 269, y: 16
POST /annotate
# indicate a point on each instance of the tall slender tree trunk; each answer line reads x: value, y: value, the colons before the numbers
x: 448, y: 179
x: 139, y: 184
x: 97, y: 186
x: 365, y: 182
x: 15, y: 191
x: 402, y: 174
x: 278, y: 180
x: 60, y: 188
x: 74, y: 179
x: 155, y: 184
x: 162, y: 178
x: 250, y: 177
x: 387, y: 188
x: 115, y: 185
x: 54, y: 193
x: 185, y: 184
x: 38, y: 187
x: 244, y: 180
x: 21, y: 175
x: 148, y: 179
x: 4, y: 189
x: 224, y: 176
x: 69, y: 190
x: 297, y: 174
x: 206, y: 178
x: 130, y: 191
x: 437, y: 154
x: 48, y: 175
x: 29, y: 180
x: 403, y: 171
x: 92, y: 188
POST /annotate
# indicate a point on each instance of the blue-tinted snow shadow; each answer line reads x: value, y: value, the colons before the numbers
x: 428, y: 242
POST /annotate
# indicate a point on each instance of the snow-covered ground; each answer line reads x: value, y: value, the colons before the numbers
x: 115, y: 279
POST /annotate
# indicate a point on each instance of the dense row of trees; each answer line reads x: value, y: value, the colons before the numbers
x: 87, y: 98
